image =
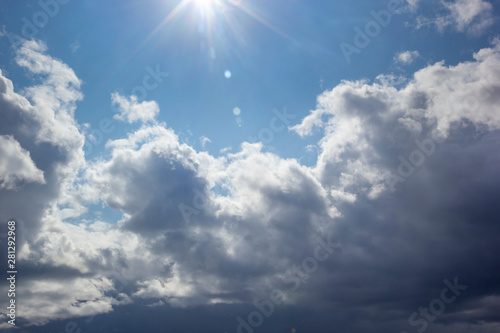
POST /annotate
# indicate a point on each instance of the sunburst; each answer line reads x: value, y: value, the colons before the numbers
x: 212, y: 8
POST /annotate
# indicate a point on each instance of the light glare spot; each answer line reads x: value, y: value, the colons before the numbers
x: 236, y: 111
x: 227, y: 74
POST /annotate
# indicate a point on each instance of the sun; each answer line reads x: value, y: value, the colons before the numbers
x: 211, y: 12
x: 204, y: 3
x: 206, y: 7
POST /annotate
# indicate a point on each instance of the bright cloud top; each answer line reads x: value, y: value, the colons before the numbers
x: 130, y: 110
x: 16, y: 165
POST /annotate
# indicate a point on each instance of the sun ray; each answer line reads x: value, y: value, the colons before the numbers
x: 177, y: 9
x: 252, y: 14
x: 209, y: 9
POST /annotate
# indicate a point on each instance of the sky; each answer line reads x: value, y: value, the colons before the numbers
x: 250, y: 166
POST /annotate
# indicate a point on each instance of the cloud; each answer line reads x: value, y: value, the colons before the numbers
x: 163, y: 187
x: 366, y: 128
x: 41, y: 153
x: 204, y: 140
x: 196, y: 230
x: 74, y: 46
x: 130, y: 110
x: 40, y: 136
x: 225, y: 150
x: 86, y: 298
x: 16, y: 165
x: 406, y: 57
x: 471, y: 16
x: 413, y: 3
x: 366, y: 121
x: 474, y: 15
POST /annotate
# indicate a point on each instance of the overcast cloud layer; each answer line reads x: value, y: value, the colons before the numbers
x: 404, y: 195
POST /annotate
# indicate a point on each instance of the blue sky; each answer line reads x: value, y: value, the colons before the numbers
x: 189, y: 157
x: 118, y: 41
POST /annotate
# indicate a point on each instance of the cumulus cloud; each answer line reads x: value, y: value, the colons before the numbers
x: 368, y: 130
x: 438, y: 97
x: 39, y: 135
x: 130, y: 110
x: 16, y: 165
x: 41, y: 149
x: 198, y: 230
x: 164, y: 189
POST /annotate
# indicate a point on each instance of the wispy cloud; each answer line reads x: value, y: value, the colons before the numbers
x: 471, y: 16
x: 204, y: 140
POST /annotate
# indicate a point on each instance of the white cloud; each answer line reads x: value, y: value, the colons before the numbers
x: 406, y: 57
x: 204, y: 140
x: 130, y: 110
x: 16, y: 164
x: 53, y: 101
x: 42, y: 123
x: 225, y: 150
x: 77, y: 297
x: 471, y: 16
x: 360, y: 116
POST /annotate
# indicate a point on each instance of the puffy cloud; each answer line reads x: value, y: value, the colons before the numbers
x: 54, y: 99
x: 16, y: 165
x: 406, y: 57
x: 38, y: 133
x: 41, y: 139
x: 398, y: 236
x: 131, y: 110
x: 164, y: 189
x: 368, y: 124
x: 467, y: 91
